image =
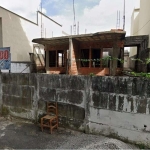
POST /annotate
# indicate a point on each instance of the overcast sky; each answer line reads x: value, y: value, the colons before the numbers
x: 93, y: 15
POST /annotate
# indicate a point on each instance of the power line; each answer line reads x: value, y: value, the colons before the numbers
x: 142, y: 27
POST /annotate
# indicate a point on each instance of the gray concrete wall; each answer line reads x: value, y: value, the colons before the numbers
x: 114, y: 106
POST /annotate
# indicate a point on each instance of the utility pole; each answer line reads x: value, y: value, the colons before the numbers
x: 74, y: 23
x: 124, y: 16
x: 41, y: 20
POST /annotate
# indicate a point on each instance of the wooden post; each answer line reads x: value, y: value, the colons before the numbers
x: 47, y: 60
x: 90, y: 57
x: 56, y: 60
x: 101, y: 55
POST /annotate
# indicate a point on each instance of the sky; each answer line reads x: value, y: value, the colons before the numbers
x: 92, y: 15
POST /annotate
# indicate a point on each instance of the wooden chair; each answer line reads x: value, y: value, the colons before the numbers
x: 51, y: 119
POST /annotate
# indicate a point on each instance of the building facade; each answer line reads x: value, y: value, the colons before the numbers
x: 85, y: 54
x: 17, y: 33
x: 140, y: 23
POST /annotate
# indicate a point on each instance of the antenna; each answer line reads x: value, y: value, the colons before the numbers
x: 71, y: 30
x: 41, y: 20
x: 124, y: 16
x: 118, y: 20
x: 74, y: 23
x: 78, y: 28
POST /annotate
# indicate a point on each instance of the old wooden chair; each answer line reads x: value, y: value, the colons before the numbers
x: 50, y: 120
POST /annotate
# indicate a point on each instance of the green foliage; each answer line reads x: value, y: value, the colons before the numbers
x: 141, y: 74
x: 104, y: 59
x: 146, y: 61
x: 91, y: 74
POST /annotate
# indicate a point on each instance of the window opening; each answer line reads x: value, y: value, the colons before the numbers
x: 95, y: 57
x: 52, y: 58
x: 84, y: 57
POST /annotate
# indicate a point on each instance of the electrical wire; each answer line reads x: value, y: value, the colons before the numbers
x: 142, y: 27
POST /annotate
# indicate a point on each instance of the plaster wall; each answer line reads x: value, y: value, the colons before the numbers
x: 140, y: 24
x: 18, y: 33
x: 134, y: 29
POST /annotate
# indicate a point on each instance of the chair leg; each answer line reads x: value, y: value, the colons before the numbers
x: 50, y: 126
x: 42, y: 124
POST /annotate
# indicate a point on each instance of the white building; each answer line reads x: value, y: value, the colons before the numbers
x: 17, y: 33
x: 140, y: 22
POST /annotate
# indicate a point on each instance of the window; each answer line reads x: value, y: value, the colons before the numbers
x: 106, y: 54
x: 95, y: 58
x: 52, y: 58
x: 84, y: 57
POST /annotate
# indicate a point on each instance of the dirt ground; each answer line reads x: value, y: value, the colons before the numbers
x: 21, y: 134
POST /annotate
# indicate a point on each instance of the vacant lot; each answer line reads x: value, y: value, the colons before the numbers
x: 21, y: 134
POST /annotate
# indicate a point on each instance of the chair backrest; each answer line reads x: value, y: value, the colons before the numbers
x: 52, y: 108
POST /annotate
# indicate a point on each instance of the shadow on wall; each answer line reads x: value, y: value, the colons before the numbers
x: 15, y: 36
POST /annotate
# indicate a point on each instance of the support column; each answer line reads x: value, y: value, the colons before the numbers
x: 73, y: 47
x: 90, y: 57
x: 137, y: 63
x: 113, y: 63
x: 56, y: 60
x: 47, y: 61
x: 101, y: 56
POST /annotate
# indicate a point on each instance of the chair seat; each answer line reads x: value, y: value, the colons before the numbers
x: 49, y: 117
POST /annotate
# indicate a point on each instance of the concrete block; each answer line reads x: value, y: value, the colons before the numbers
x: 142, y: 104
x: 26, y: 103
x: 15, y: 90
x: 96, y: 98
x: 26, y: 92
x: 148, y: 88
x: 7, y: 100
x: 112, y: 102
x: 16, y: 101
x: 47, y: 94
x: 97, y: 83
x: 23, y: 79
x: 75, y: 97
x: 42, y: 105
x: 5, y: 78
x: 62, y: 109
x: 123, y: 85
x: 6, y: 89
x: 33, y: 79
x: 120, y: 103
x: 139, y: 87
x: 104, y: 100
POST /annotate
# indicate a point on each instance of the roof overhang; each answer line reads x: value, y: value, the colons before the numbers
x: 99, y: 36
x: 135, y: 40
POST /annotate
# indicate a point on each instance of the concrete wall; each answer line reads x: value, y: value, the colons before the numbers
x: 114, y: 106
x: 18, y: 33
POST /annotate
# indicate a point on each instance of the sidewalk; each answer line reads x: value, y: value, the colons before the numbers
x: 21, y: 134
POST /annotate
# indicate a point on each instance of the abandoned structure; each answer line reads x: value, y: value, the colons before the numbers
x: 140, y: 25
x: 82, y: 54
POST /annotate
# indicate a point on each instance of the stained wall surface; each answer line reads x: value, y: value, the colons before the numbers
x: 114, y: 106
